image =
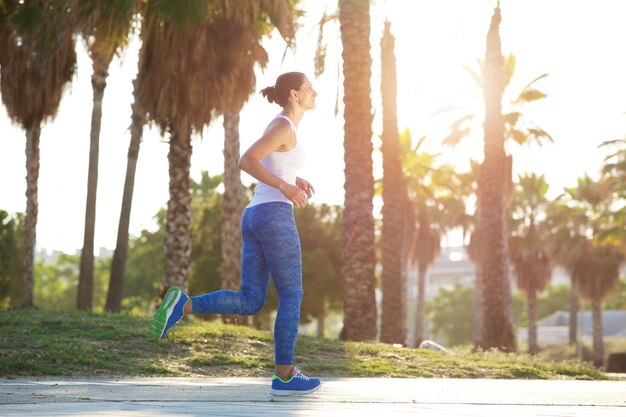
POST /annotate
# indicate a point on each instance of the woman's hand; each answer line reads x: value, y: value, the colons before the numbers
x: 305, y: 186
x: 297, y: 196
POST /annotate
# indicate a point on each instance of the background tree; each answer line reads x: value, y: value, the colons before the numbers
x: 500, y: 129
x: 614, y: 173
x: 450, y: 309
x: 435, y: 208
x: 527, y: 244
x: 105, y: 26
x: 582, y: 242
x: 599, y: 276
x: 614, y: 167
x: 118, y: 265
x: 393, y: 327
x: 426, y: 247
x: 206, y: 232
x: 321, y: 231
x: 56, y: 282
x: 7, y: 242
x: 617, y: 300
x: 497, y: 329
x: 567, y: 224
x: 145, y: 268
x: 467, y: 191
x: 232, y: 209
x: 359, y: 244
x: 37, y: 60
x: 11, y: 236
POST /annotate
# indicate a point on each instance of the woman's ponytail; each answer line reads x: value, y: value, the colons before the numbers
x: 270, y: 94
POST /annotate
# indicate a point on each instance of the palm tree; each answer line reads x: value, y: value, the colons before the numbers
x: 105, y: 25
x: 118, y: 264
x: 598, y: 278
x: 436, y: 206
x: 393, y: 327
x: 37, y: 60
x: 495, y: 181
x: 467, y: 189
x: 584, y: 242
x: 193, y: 45
x: 567, y: 226
x: 497, y: 329
x: 359, y: 244
x: 615, y: 164
x: 425, y: 250
x: 231, y: 211
x: 527, y: 245
x: 614, y: 170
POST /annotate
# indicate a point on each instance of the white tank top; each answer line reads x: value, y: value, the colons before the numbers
x: 282, y: 164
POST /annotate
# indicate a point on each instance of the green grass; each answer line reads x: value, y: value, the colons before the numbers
x: 43, y: 343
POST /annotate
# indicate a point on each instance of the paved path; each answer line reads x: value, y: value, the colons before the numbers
x: 226, y: 397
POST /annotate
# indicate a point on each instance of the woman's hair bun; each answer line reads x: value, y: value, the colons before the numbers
x: 270, y: 94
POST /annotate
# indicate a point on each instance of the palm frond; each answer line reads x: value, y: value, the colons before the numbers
x: 446, y: 109
x: 540, y: 135
x: 456, y: 136
x: 542, y: 76
x: 509, y: 68
x: 529, y: 95
x: 612, y: 142
x: 37, y: 61
x: 478, y: 79
x: 511, y: 118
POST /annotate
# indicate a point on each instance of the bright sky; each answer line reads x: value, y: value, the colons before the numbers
x: 578, y: 42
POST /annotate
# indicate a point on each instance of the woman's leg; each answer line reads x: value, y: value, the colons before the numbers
x: 254, y: 276
x: 275, y: 227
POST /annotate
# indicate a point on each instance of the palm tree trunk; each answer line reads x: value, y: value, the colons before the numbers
x: 419, y: 310
x: 473, y: 251
x: 573, y: 315
x: 178, y: 234
x: 598, y: 341
x: 497, y: 330
x: 100, y: 64
x: 118, y: 266
x: 230, y: 268
x: 30, y: 222
x: 477, y: 327
x: 321, y: 320
x: 393, y: 327
x: 533, y: 348
x: 359, y: 256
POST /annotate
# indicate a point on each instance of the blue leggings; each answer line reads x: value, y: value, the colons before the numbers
x: 270, y: 245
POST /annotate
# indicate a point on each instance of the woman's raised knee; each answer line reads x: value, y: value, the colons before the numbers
x: 252, y: 307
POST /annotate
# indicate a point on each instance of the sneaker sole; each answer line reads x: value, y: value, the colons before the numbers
x: 281, y: 392
x: 168, y: 308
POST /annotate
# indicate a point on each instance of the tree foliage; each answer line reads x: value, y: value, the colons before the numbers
x: 451, y: 310
x: 56, y: 282
x: 320, y: 228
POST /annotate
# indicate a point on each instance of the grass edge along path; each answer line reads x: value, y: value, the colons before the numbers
x: 86, y: 344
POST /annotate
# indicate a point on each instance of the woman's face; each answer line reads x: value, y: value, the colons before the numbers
x: 306, y: 95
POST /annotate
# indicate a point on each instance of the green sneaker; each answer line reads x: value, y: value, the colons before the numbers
x: 170, y: 312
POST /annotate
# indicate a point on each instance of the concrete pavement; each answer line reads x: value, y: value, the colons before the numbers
x: 228, y: 397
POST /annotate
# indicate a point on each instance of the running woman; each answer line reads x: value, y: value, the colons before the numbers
x: 271, y: 244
